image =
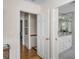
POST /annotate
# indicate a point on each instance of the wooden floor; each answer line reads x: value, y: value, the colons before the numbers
x: 28, y: 54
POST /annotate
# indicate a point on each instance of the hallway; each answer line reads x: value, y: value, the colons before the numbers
x: 25, y: 54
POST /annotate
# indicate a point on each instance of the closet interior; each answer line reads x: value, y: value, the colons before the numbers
x: 28, y: 30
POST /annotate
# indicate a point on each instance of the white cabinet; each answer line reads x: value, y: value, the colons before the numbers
x: 33, y: 41
x: 64, y: 43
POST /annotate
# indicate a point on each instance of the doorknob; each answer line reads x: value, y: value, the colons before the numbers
x: 47, y: 39
x: 55, y: 38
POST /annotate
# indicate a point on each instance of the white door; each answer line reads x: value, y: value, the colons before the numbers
x: 43, y: 46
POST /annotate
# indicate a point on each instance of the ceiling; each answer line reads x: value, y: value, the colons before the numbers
x: 70, y: 7
x: 38, y: 1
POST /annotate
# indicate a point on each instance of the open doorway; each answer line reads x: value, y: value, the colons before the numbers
x: 66, y: 34
x: 63, y: 30
x: 28, y: 36
x: 33, y: 31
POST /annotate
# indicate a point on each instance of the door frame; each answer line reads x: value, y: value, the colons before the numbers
x: 54, y: 15
x: 23, y: 29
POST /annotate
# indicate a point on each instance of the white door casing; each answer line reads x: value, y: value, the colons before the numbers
x: 54, y: 32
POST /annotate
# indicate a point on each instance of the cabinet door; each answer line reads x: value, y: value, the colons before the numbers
x: 43, y: 41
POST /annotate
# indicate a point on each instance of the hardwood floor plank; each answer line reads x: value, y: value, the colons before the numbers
x: 29, y: 54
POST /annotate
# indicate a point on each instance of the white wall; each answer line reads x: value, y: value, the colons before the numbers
x: 12, y: 23
x: 33, y: 24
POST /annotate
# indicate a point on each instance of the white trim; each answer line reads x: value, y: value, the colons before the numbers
x: 29, y: 33
x: 49, y: 32
x: 54, y: 26
x: 23, y: 30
